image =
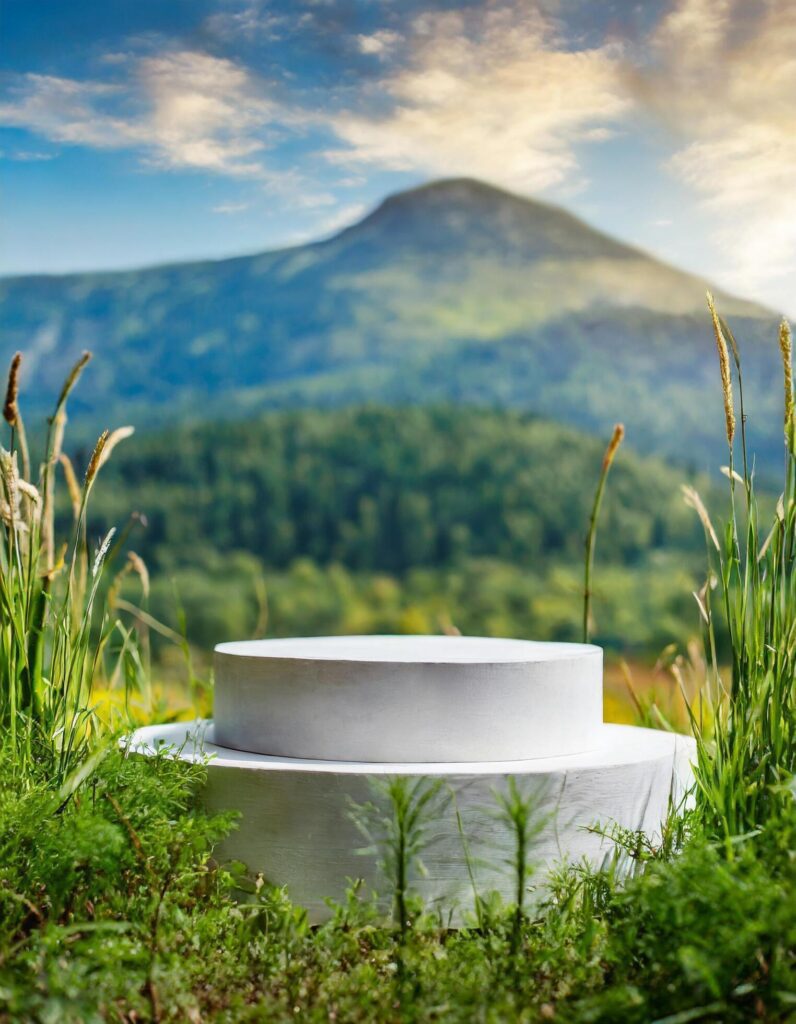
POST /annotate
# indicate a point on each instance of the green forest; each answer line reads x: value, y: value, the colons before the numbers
x: 378, y: 519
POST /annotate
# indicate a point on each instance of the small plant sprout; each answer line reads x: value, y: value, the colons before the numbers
x: 521, y: 812
x: 396, y: 825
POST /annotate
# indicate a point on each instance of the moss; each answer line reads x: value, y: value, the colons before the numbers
x: 113, y: 909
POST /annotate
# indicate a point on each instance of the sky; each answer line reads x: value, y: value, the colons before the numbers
x: 141, y: 131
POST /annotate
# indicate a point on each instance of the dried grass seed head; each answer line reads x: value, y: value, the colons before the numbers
x: 72, y: 379
x: 114, y: 438
x: 726, y: 374
x: 102, y: 552
x: 11, y: 407
x: 10, y: 496
x: 613, y: 445
x: 786, y: 349
x: 95, y: 460
x: 138, y: 566
x: 71, y: 483
x: 693, y: 500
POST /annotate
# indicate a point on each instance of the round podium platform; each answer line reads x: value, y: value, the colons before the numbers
x: 298, y: 826
x: 398, y: 698
x: 304, y: 730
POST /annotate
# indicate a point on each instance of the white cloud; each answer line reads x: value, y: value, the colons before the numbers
x: 204, y: 112
x: 251, y: 20
x: 183, y: 109
x: 337, y: 221
x: 378, y: 43
x: 28, y: 156
x: 230, y: 208
x: 490, y: 92
x: 65, y: 110
x: 724, y: 80
x: 340, y: 219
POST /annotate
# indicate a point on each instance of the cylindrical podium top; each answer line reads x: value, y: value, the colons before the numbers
x: 408, y: 698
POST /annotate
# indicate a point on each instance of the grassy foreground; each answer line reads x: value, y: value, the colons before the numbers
x: 112, y: 908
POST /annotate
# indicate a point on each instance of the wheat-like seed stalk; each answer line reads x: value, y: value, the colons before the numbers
x: 32, y: 507
x: 732, y: 474
x: 29, y: 490
x: 59, y: 427
x: 72, y: 379
x: 608, y: 458
x: 71, y: 483
x: 693, y: 500
x: 120, y: 434
x: 699, y: 597
x: 12, y: 414
x: 10, y: 407
x: 786, y: 348
x: 9, y: 473
x: 102, y: 552
x: 613, y: 445
x: 138, y: 566
x: 95, y: 460
x: 724, y: 366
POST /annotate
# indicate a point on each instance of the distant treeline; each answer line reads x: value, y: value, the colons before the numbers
x: 386, y: 489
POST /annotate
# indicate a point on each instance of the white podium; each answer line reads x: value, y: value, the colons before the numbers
x: 303, y: 726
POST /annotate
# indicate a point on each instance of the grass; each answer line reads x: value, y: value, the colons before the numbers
x: 112, y: 908
x: 591, y: 535
x: 115, y: 910
x: 58, y: 639
x: 747, y: 749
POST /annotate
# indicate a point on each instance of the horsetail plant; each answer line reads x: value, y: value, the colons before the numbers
x: 396, y: 823
x: 520, y: 812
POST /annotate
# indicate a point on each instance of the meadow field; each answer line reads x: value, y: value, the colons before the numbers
x: 123, y: 563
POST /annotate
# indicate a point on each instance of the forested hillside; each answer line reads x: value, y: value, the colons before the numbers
x: 389, y: 489
x: 402, y: 520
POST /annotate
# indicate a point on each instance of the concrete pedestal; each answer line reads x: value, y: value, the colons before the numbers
x: 308, y: 725
x: 399, y: 698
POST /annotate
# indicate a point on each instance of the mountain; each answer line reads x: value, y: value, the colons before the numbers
x: 455, y: 291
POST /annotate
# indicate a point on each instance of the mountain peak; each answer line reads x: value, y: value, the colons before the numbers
x: 464, y: 213
x: 455, y: 190
x: 470, y: 194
